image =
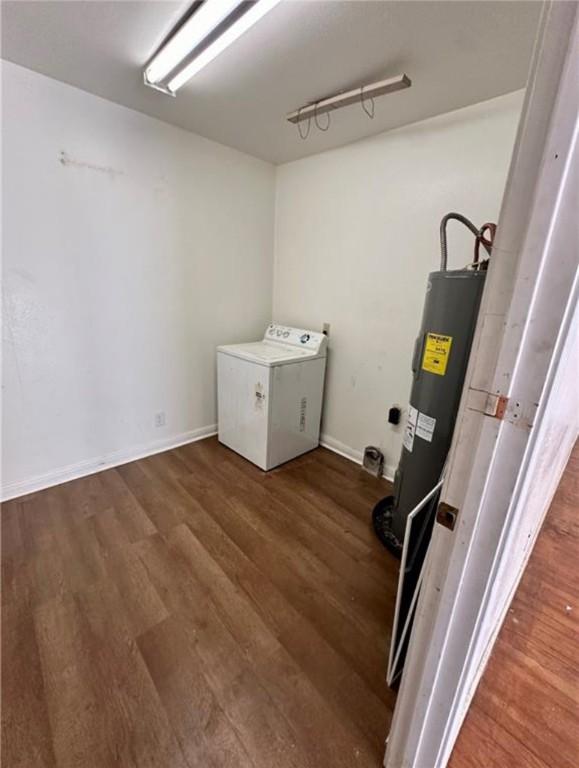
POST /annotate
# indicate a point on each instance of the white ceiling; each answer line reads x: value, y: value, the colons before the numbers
x: 456, y: 53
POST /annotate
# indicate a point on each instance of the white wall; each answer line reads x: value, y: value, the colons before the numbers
x: 132, y: 248
x: 356, y: 235
x: 123, y: 267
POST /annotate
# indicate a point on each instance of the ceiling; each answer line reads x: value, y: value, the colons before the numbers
x: 456, y: 53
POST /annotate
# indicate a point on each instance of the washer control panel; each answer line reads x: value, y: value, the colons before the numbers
x: 314, y: 341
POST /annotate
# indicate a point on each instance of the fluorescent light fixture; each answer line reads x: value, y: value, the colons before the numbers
x: 176, y: 62
x: 193, y: 31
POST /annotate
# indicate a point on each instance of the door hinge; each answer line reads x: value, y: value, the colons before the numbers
x: 489, y: 403
x: 496, y: 406
x: 501, y: 407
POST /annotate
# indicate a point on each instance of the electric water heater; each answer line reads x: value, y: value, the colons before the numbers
x: 439, y: 364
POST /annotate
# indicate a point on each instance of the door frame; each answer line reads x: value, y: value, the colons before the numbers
x: 519, y: 414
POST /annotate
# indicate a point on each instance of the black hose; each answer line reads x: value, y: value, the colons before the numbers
x: 443, y: 247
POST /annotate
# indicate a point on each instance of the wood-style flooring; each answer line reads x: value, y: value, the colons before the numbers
x: 525, y: 713
x: 189, y: 610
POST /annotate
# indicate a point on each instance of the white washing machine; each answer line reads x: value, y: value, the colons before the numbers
x: 270, y: 395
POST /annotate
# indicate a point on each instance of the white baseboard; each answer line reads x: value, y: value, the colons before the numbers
x: 114, y: 459
x: 329, y: 442
x: 126, y: 455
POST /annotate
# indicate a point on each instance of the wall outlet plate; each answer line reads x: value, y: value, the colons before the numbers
x: 160, y: 419
x: 326, y: 329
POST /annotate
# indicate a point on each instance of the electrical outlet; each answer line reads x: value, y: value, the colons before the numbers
x: 160, y: 419
x: 326, y: 329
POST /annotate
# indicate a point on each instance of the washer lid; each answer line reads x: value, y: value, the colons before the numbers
x: 266, y: 353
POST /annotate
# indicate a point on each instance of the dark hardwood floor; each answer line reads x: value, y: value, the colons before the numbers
x: 525, y: 713
x: 188, y: 610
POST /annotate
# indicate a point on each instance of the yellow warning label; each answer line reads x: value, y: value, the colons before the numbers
x: 436, y: 353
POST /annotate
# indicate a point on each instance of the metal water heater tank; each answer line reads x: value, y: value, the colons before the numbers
x: 439, y: 364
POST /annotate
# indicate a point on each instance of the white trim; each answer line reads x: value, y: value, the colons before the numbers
x: 543, y: 465
x: 114, y: 459
x: 326, y: 441
x: 329, y: 442
x: 502, y: 472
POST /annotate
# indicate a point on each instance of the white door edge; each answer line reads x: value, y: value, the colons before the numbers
x: 524, y: 349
